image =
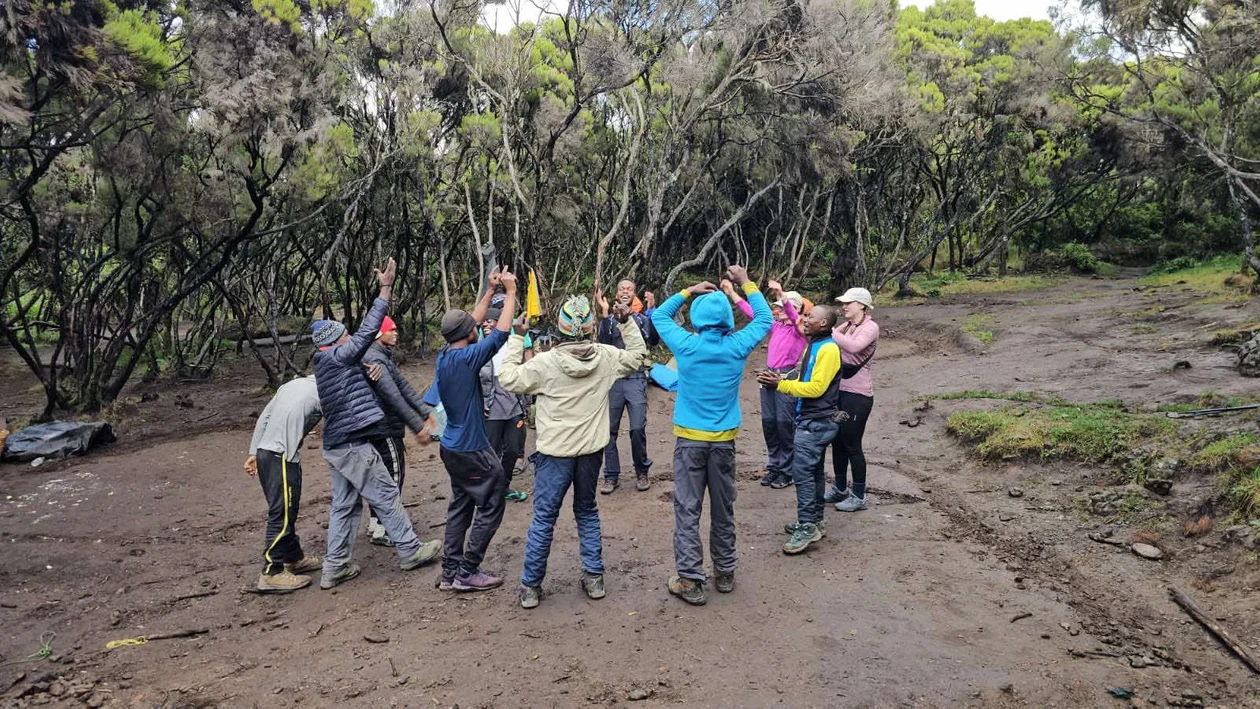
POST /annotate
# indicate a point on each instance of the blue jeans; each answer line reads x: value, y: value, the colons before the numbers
x: 809, y: 446
x: 552, y: 479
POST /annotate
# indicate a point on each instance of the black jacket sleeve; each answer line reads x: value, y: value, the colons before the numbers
x: 387, y: 392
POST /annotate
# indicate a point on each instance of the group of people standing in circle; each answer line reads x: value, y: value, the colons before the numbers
x: 816, y: 394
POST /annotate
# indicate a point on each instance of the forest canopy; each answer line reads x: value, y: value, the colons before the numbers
x: 179, y: 171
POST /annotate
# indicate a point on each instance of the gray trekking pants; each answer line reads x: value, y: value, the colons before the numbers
x: 359, y: 474
x: 700, y: 466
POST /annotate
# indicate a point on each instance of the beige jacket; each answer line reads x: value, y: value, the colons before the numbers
x: 570, y: 384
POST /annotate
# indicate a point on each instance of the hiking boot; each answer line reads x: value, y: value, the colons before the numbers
x: 593, y: 584
x: 305, y: 565
x: 642, y: 482
x: 725, y: 582
x: 283, y: 582
x: 791, y: 527
x: 608, y: 486
x: 784, y: 480
x: 805, y: 534
x: 445, y: 584
x: 852, y: 504
x: 689, y: 590
x: 377, y: 532
x: 769, y: 477
x: 427, y: 552
x: 835, y: 494
x: 529, y: 596
x: 343, y: 575
x: 480, y: 581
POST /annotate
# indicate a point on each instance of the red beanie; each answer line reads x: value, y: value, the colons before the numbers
x: 387, y: 325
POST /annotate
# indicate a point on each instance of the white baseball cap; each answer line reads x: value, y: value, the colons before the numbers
x: 857, y: 295
x: 791, y: 297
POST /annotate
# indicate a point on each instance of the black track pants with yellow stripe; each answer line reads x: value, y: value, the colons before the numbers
x: 282, y: 484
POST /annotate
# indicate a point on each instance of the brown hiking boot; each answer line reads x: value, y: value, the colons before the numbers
x: 305, y: 565
x: 689, y: 590
x: 283, y: 582
x: 609, y: 485
x: 642, y: 482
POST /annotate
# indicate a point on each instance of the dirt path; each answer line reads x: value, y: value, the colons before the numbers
x: 910, y: 603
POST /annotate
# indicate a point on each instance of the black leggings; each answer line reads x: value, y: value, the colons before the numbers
x: 507, y: 438
x: 846, y: 449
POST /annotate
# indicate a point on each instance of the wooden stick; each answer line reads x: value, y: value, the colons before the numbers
x: 1187, y: 603
x: 203, y: 594
x: 180, y: 634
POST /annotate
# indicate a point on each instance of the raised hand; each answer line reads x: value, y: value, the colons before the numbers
x: 602, y: 302
x: 508, y: 280
x: 702, y: 288
x: 649, y: 299
x: 737, y: 274
x: 496, y: 277
x: 521, y: 326
x: 774, y: 287
x: 621, y: 312
x: 386, y: 277
x: 727, y: 287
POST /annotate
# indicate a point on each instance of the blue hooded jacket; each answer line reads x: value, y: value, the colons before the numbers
x: 711, y: 360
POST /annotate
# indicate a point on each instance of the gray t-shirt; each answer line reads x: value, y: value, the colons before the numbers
x: 289, y: 416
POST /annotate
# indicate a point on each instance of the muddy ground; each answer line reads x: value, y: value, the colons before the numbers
x: 911, y: 603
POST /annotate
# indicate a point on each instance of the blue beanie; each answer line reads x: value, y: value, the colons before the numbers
x: 326, y: 332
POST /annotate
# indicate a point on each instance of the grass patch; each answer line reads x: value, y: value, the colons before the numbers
x: 959, y: 283
x: 977, y: 325
x: 1218, y: 276
x: 1020, y: 396
x: 1093, y: 433
x: 1108, y: 270
x: 1045, y: 428
x: 1237, y: 460
x: 1144, y: 329
x: 1234, y: 335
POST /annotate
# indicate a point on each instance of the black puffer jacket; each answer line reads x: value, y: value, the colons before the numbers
x: 402, y: 405
x: 351, y: 411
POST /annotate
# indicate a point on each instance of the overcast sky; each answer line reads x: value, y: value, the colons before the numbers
x: 1001, y: 9
x: 502, y: 16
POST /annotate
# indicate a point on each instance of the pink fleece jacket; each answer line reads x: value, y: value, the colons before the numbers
x: 786, y: 342
x: 856, y: 344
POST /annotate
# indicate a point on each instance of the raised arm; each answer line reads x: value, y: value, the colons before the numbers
x: 353, y: 351
x: 483, y: 305
x: 671, y: 333
x: 790, y: 311
x: 746, y: 340
x: 629, y: 360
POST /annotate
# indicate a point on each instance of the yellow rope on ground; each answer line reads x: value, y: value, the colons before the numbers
x: 127, y: 642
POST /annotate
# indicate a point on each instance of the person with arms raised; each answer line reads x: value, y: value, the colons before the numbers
x: 711, y: 364
x: 352, y: 415
x: 478, y: 484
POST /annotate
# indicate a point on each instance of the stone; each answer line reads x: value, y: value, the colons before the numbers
x: 1015, y: 492
x: 96, y: 701
x: 636, y: 695
x: 1146, y: 551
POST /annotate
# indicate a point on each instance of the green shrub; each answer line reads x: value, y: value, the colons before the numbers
x: 1078, y: 257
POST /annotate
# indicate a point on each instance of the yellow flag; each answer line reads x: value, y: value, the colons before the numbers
x: 533, y: 304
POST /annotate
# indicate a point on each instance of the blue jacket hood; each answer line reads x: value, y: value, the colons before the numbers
x: 712, y: 311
